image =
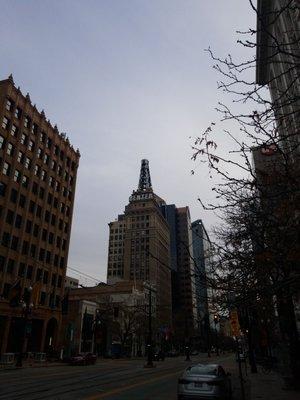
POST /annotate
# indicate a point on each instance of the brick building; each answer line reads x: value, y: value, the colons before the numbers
x: 38, y: 168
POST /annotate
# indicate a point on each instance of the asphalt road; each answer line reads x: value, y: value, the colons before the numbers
x: 108, y: 379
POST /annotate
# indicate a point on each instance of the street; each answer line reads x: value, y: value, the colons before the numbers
x: 108, y: 379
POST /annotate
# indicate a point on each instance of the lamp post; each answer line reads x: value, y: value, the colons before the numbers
x: 26, y: 312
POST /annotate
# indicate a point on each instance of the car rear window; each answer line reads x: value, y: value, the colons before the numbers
x: 203, y: 370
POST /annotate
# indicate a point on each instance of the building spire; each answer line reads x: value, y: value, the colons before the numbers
x: 145, y: 179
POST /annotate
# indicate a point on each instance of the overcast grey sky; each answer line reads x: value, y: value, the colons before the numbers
x: 126, y: 80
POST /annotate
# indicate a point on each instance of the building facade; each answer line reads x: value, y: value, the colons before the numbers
x: 38, y: 168
x: 202, y: 254
x: 278, y: 51
x: 139, y: 246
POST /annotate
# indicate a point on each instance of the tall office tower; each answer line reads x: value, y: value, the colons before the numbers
x: 115, y: 265
x: 186, y: 273
x: 144, y: 255
x: 38, y: 168
x: 202, y: 253
x: 184, y: 312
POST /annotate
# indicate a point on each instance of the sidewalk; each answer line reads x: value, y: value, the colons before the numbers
x: 267, y: 387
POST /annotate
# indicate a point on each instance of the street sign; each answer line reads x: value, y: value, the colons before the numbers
x: 234, y: 323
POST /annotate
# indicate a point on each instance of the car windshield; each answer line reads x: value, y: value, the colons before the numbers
x: 203, y: 370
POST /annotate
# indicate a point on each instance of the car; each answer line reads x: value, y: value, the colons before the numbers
x: 204, y: 381
x: 83, y: 359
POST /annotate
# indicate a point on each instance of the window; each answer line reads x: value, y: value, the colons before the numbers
x: 10, y: 266
x: 9, y: 105
x: 2, y: 189
x: 35, y: 188
x: 59, y: 281
x: 14, y: 130
x: 27, y: 122
x: 46, y: 159
x: 53, y: 165
x: 53, y: 219
x: 2, y: 141
x: 39, y: 153
x: 41, y: 193
x: 25, y: 181
x: 22, y: 268
x: 29, y: 272
x: 45, y: 277
x: 38, y: 211
x: 18, y: 113
x: 44, y: 235
x: 14, y: 243
x: 42, y: 255
x: 49, y: 198
x: 43, y: 137
x: 27, y: 163
x: 51, y: 181
x: 62, y: 155
x: 66, y: 227
x: 49, y: 143
x: 34, y: 128
x: 20, y: 157
x: 35, y: 230
x: 62, y: 262
x: 47, y: 216
x: 53, y: 280
x: 18, y: 221
x: 65, y: 191
x: 58, y: 241
x: 56, y: 260
x: 68, y: 161
x: 56, y: 150
x: 10, y: 149
x: 31, y: 207
x: 10, y: 217
x: 64, y: 244
x: 6, y: 168
x: 59, y: 170
x: 32, y: 250
x: 28, y: 226
x: 31, y: 145
x: 39, y: 274
x: 60, y: 224
x: 6, y: 239
x: 25, y: 247
x: 57, y: 186
x: 2, y: 263
x: 62, y: 207
x: 48, y: 257
x: 37, y: 170
x: 73, y: 166
x: 50, y: 238
x: 43, y: 175
x: 17, y: 176
x: 22, y: 201
x: 5, y: 123
x: 55, y: 202
x: 24, y: 139
x: 43, y: 299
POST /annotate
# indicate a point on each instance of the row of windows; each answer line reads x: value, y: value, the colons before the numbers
x: 35, y: 208
x: 32, y: 250
x: 22, y: 159
x: 115, y: 273
x: 44, y: 299
x: 39, y: 172
x: 34, y: 229
x: 34, y: 129
x: 29, y: 272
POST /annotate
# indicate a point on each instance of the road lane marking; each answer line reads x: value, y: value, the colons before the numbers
x: 134, y: 385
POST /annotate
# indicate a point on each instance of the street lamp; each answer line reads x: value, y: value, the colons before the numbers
x: 27, y: 306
